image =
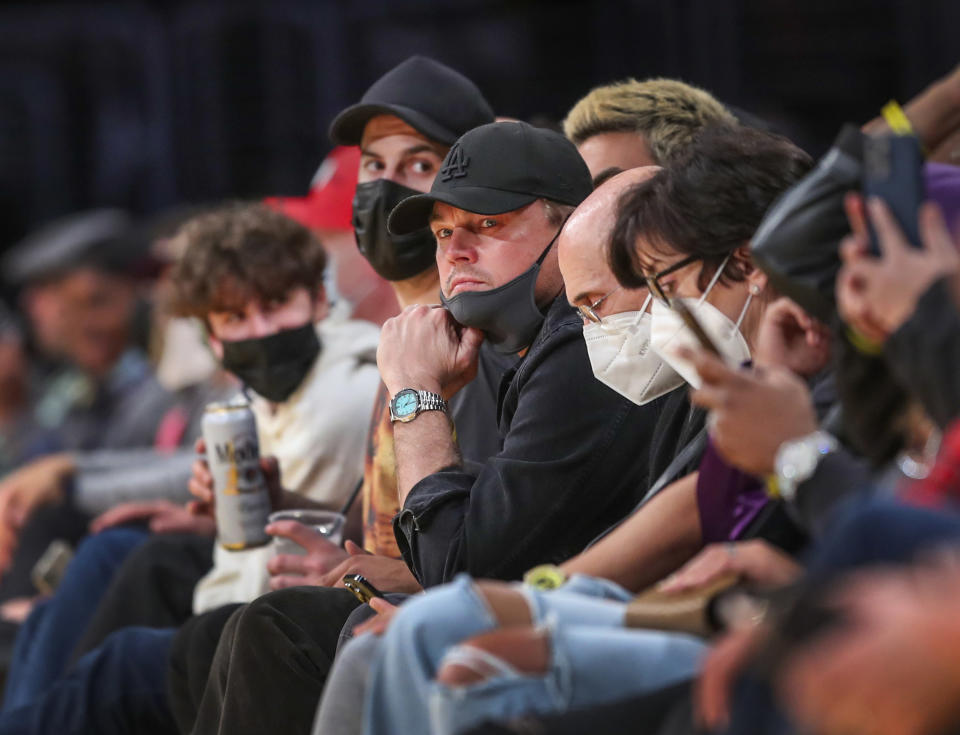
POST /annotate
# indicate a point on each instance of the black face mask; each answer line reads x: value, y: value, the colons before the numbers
x: 393, y: 257
x: 273, y: 366
x: 507, y: 315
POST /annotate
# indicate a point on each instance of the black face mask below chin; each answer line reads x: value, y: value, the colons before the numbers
x: 393, y: 257
x: 273, y: 366
x: 507, y: 315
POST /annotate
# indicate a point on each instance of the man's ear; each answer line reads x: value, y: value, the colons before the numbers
x: 742, y: 256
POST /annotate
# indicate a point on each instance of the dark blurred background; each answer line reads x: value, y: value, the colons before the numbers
x: 143, y: 105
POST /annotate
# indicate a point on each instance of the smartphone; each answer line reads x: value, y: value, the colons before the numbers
x: 360, y: 587
x: 893, y: 171
x: 51, y: 566
x: 694, y: 326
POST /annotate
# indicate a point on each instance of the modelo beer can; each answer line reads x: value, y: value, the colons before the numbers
x: 233, y: 454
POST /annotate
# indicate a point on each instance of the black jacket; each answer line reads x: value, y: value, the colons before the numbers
x: 573, y: 460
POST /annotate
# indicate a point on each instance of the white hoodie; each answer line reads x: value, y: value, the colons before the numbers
x: 319, y: 437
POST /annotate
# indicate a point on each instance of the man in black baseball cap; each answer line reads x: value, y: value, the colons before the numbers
x: 404, y: 125
x: 498, y: 169
x: 568, y: 466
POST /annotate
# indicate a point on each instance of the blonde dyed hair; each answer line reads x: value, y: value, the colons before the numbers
x: 666, y: 112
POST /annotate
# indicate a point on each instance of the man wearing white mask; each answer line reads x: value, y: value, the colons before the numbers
x: 616, y: 320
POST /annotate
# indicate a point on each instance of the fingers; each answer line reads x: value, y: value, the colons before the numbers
x: 857, y: 216
x: 123, y: 514
x: 198, y: 508
x: 761, y: 563
x: 200, y: 446
x: 382, y: 606
x: 852, y: 301
x: 175, y: 520
x: 8, y: 544
x: 890, y: 237
x: 200, y: 483
x: 19, y: 513
x: 14, y: 512
x: 270, y: 468
x: 354, y: 550
x: 470, y: 341
x: 710, y: 694
x: 719, y: 380
x: 167, y: 524
x: 7, y: 503
x: 711, y: 563
x: 853, y: 250
x: 334, y: 577
x: 802, y: 318
x: 288, y: 564
x: 302, y: 535
x: 712, y: 369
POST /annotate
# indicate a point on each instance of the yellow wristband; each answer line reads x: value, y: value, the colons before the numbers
x: 773, y: 486
x: 545, y: 577
x: 896, y: 118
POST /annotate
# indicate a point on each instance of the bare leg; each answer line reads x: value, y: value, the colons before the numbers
x: 508, y: 604
x: 525, y: 649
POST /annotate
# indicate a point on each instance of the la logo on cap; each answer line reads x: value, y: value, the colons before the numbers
x: 456, y: 164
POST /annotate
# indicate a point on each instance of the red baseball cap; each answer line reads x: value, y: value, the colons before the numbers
x: 329, y: 203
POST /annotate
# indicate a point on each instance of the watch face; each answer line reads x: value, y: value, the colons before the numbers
x: 405, y: 403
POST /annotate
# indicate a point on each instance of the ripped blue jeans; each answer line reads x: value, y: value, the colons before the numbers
x: 593, y: 659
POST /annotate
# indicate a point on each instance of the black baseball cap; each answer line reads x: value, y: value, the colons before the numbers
x: 435, y: 100
x: 498, y: 168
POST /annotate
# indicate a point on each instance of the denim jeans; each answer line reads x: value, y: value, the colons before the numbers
x: 51, y: 632
x: 594, y: 659
x: 341, y: 706
x: 119, y: 688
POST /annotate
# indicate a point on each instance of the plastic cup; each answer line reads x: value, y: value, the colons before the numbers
x: 327, y: 523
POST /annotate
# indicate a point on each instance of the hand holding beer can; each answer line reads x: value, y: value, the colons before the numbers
x: 233, y: 454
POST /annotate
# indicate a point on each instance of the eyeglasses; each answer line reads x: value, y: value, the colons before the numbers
x: 653, y: 282
x: 589, y: 313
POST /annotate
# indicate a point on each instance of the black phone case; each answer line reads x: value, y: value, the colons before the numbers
x: 893, y: 171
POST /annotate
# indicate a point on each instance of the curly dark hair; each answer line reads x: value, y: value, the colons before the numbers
x: 243, y: 251
x: 708, y: 203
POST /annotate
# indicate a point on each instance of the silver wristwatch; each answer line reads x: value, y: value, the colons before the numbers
x: 797, y: 460
x: 409, y: 403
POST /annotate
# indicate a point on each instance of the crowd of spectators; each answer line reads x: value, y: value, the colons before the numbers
x: 642, y: 422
